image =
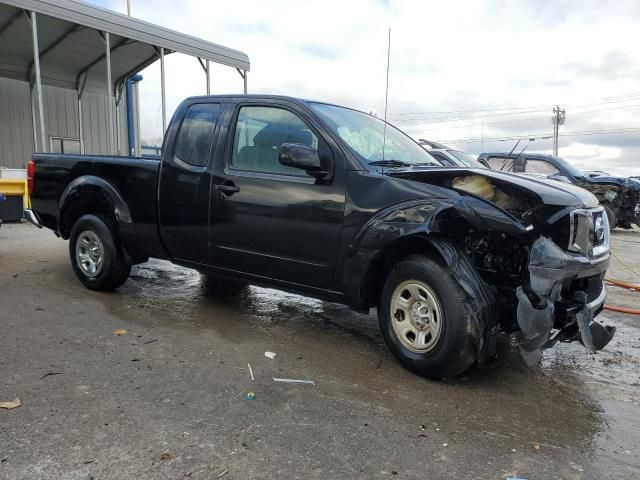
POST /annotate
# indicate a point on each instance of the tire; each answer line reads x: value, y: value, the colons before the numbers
x: 96, y: 254
x: 611, y: 216
x: 449, y: 347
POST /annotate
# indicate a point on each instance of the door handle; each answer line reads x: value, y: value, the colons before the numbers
x: 228, y: 188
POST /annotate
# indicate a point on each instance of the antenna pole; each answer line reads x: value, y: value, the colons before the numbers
x: 386, y: 97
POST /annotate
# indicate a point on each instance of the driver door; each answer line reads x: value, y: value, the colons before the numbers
x: 269, y: 219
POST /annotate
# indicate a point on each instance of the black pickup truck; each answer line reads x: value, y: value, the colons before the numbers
x: 329, y: 202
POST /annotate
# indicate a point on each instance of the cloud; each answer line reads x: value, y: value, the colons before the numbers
x: 445, y: 57
x: 614, y: 64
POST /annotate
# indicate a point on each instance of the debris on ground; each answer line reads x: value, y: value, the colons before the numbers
x: 222, y: 474
x: 251, y: 372
x: 50, y: 374
x: 270, y: 355
x: 165, y: 456
x: 293, y: 380
x: 120, y: 331
x: 250, y: 396
x: 11, y: 405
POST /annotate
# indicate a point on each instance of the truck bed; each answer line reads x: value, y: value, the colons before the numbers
x: 134, y: 178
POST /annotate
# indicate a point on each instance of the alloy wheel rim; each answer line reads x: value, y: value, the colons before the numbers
x: 416, y: 316
x: 89, y: 253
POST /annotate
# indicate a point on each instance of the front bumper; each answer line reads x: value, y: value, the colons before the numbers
x: 564, y: 293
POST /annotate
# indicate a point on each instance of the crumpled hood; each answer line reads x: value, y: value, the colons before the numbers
x: 550, y: 192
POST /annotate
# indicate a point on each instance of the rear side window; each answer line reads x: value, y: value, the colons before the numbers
x: 501, y: 163
x: 541, y: 167
x: 196, y: 132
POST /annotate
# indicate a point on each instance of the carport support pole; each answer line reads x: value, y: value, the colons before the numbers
x: 80, y: 126
x: 36, y: 64
x: 164, y: 100
x: 208, y: 78
x: 244, y: 77
x: 107, y: 41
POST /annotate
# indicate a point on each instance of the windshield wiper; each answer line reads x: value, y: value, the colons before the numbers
x: 390, y: 163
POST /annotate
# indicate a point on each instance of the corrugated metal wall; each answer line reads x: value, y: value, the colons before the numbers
x: 16, y: 129
x: 61, y: 120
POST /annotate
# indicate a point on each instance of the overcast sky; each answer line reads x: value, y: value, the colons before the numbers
x: 460, y: 71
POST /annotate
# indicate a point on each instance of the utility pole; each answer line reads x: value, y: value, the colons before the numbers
x: 557, y: 119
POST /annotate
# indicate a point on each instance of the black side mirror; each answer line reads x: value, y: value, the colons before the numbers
x: 302, y: 157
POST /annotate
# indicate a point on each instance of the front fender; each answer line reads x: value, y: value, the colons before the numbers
x: 405, y: 228
x: 409, y: 220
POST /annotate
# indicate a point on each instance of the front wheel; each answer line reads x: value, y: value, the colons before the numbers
x: 96, y: 254
x: 423, y: 320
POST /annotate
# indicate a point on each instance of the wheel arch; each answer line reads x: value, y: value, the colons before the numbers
x: 90, y: 194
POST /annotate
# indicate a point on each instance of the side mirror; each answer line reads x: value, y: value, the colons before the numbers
x: 302, y: 157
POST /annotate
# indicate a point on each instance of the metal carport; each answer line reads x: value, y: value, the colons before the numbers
x: 74, y: 45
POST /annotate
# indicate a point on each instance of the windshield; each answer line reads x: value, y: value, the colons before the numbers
x: 570, y: 169
x: 466, y: 159
x: 365, y: 135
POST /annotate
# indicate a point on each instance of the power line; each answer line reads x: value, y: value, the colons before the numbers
x: 509, y: 110
x: 542, y: 136
x: 519, y: 120
x: 401, y: 114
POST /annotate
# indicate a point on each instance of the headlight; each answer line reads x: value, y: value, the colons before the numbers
x: 589, y: 232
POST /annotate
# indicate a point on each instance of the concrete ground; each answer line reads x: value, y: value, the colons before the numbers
x: 166, y: 400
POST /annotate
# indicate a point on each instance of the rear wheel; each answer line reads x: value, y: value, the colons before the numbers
x: 96, y: 254
x: 423, y: 321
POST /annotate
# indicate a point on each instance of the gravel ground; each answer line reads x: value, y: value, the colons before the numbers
x: 167, y: 399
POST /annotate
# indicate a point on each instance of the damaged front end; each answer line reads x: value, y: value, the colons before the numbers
x: 564, y: 292
x: 542, y: 249
x: 555, y: 271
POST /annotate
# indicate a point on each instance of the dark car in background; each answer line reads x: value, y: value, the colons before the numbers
x: 450, y: 156
x: 619, y: 196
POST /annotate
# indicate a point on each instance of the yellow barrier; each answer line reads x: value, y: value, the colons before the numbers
x: 16, y: 187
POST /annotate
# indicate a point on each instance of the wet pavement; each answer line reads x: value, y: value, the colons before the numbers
x: 167, y: 399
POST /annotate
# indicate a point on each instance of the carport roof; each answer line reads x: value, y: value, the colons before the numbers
x: 71, y: 43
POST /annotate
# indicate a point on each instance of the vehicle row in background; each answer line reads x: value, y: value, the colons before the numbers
x: 619, y: 196
x: 452, y: 157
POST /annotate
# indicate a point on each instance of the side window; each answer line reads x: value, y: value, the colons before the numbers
x: 194, y: 138
x: 259, y: 133
x: 65, y: 145
x: 540, y: 167
x: 442, y: 158
x: 501, y: 163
